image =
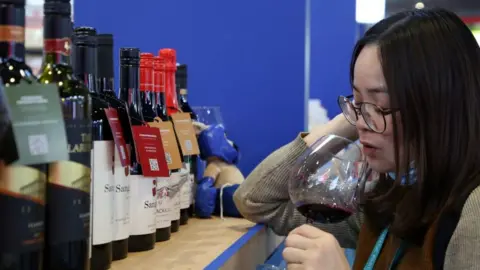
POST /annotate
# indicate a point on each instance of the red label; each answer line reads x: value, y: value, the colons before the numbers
x: 148, y: 142
x: 61, y: 46
x: 117, y: 131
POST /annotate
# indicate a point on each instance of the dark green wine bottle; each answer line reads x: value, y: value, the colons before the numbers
x: 68, y: 189
x: 22, y: 188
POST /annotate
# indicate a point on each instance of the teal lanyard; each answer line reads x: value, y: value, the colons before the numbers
x: 378, y: 248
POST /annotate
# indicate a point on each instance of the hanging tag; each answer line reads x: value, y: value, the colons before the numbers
x: 170, y: 145
x: 185, y: 134
x: 148, y: 143
x: 37, y: 122
x: 117, y: 132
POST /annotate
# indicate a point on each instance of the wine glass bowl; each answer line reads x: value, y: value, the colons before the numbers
x: 327, y: 179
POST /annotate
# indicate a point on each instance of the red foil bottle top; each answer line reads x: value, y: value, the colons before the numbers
x: 170, y: 56
x: 146, y: 72
x: 159, y: 74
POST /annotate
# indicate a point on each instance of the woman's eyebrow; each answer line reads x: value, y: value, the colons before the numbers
x: 374, y: 90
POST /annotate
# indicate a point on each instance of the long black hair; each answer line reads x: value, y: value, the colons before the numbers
x: 431, y: 64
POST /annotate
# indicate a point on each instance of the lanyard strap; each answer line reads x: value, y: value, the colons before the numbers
x: 378, y: 248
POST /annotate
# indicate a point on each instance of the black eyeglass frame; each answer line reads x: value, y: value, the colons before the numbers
x: 359, y: 111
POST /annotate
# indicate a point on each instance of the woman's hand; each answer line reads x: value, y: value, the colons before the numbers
x: 338, y: 126
x: 309, y: 248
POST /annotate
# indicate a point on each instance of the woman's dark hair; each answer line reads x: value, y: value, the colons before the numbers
x: 431, y: 64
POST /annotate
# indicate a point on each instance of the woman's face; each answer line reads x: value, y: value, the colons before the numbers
x: 369, y: 86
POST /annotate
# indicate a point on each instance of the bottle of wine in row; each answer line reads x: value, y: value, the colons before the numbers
x: 168, y: 56
x: 68, y: 189
x: 181, y: 80
x: 121, y: 197
x: 84, y: 63
x: 21, y: 187
x: 164, y: 203
x: 142, y: 200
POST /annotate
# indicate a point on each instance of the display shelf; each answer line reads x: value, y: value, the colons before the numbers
x: 194, y: 247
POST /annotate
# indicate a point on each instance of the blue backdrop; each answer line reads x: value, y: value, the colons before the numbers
x: 245, y: 56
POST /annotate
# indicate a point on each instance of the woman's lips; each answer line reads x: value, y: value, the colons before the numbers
x: 369, y: 150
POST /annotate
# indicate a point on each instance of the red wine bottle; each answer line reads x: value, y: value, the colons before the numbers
x: 164, y: 203
x: 21, y: 232
x: 84, y: 63
x: 142, y: 211
x: 168, y: 57
x: 181, y: 80
x: 68, y: 189
x: 146, y: 87
x: 121, y: 197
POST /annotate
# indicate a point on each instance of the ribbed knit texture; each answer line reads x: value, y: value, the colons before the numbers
x: 263, y: 198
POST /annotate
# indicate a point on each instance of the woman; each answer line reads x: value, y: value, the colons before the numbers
x: 415, y: 108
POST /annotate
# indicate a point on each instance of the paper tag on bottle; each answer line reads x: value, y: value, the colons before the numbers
x: 148, y: 143
x: 37, y: 123
x: 170, y: 145
x: 185, y: 133
x: 117, y: 132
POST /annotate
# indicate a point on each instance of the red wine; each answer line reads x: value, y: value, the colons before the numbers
x: 121, y: 201
x: 68, y: 189
x: 324, y: 213
x: 84, y: 63
x: 21, y: 233
x: 142, y: 215
x: 164, y: 203
x: 169, y: 58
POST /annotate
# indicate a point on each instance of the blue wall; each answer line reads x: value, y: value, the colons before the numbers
x: 333, y: 34
x: 245, y: 56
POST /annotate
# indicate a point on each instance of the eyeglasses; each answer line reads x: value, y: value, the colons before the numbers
x: 373, y: 115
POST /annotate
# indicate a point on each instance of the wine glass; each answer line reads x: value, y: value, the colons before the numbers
x: 208, y: 115
x: 327, y: 179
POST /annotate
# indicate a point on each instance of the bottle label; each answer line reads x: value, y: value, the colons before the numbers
x: 102, y: 192
x: 121, y: 199
x: 68, y: 189
x: 12, y: 33
x: 143, y: 204
x: 61, y: 46
x: 192, y: 188
x: 185, y: 189
x: 174, y: 194
x: 164, y: 203
x: 22, y: 202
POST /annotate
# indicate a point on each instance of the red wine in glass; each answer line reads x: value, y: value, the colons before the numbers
x: 324, y: 213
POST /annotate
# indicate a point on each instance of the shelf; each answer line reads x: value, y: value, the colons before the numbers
x: 195, y: 246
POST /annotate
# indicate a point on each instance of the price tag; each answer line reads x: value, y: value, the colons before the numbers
x: 37, y: 123
x: 185, y: 134
x: 170, y: 145
x: 117, y: 131
x: 150, y: 151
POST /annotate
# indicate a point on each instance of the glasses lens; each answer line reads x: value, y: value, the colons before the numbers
x: 373, y: 117
x: 347, y: 109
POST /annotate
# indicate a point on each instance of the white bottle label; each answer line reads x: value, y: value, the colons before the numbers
x: 143, y: 204
x: 185, y: 189
x: 121, y: 200
x: 164, y: 203
x: 192, y: 188
x: 174, y: 188
x: 102, y: 192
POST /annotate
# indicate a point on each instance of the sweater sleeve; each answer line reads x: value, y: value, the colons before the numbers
x: 464, y: 246
x: 263, y: 197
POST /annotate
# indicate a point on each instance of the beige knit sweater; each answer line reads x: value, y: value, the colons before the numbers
x: 264, y: 198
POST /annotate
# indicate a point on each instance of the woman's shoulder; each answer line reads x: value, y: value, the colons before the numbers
x: 464, y: 245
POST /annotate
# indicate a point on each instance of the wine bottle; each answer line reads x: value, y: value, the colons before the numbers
x: 84, y: 63
x: 68, y: 188
x: 121, y: 199
x: 142, y: 226
x: 181, y: 79
x: 168, y: 58
x: 21, y: 232
x: 146, y: 87
x: 164, y: 203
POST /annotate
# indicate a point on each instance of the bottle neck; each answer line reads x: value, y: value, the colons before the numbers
x: 171, y: 93
x: 105, y: 85
x: 129, y: 88
x: 57, y: 31
x: 84, y: 65
x: 12, y: 32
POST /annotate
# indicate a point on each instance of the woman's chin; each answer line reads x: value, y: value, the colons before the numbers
x: 379, y: 165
